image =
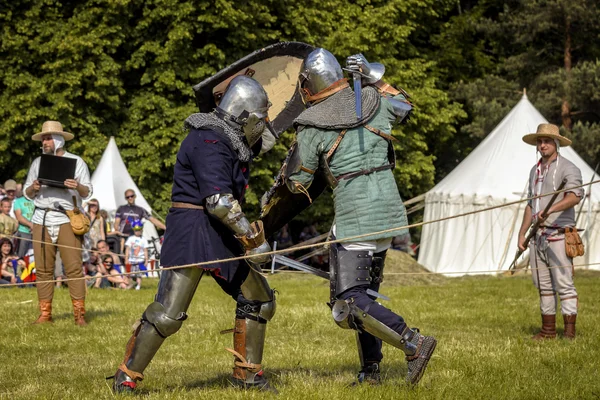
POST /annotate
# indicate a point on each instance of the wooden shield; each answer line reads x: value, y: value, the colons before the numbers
x: 276, y: 68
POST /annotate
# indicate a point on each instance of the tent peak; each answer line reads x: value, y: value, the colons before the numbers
x: 524, y: 93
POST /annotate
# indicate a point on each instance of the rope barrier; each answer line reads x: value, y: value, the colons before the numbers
x: 266, y: 272
x: 328, y: 242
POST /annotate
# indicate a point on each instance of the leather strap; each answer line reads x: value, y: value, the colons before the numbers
x: 381, y: 134
x: 310, y: 171
x: 328, y: 91
x: 351, y: 175
x: 178, y: 204
x: 336, y: 144
x: 136, y: 376
x: 243, y: 363
x: 386, y: 88
x: 417, y: 351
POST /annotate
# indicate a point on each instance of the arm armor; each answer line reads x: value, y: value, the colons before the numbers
x: 227, y: 209
x: 402, y: 109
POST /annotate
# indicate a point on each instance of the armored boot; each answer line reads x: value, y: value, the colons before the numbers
x: 79, y: 311
x: 161, y: 319
x: 548, y: 330
x: 417, y: 362
x: 45, y: 312
x: 248, y: 345
x: 141, y: 348
x: 417, y: 348
x: 369, y: 374
x: 569, y: 326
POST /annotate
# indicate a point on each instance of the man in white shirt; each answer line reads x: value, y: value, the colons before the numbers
x: 51, y: 226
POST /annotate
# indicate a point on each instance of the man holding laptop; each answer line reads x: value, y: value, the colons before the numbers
x: 55, y: 181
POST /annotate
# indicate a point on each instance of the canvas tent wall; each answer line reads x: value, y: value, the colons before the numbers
x: 494, y: 173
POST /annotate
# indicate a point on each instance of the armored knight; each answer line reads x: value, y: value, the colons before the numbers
x: 206, y: 222
x: 354, y: 150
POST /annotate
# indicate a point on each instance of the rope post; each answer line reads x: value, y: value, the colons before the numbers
x: 273, y: 258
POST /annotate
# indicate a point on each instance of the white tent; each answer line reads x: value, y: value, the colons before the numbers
x: 495, y: 173
x: 111, y: 179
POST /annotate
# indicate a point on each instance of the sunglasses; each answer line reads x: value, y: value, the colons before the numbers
x: 130, y: 196
x: 108, y: 263
x: 92, y: 205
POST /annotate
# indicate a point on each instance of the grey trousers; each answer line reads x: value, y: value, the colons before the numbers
x: 546, y: 254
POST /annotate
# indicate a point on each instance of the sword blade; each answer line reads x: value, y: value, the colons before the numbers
x: 358, y: 94
x: 299, y: 266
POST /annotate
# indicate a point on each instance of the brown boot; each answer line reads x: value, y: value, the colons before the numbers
x: 548, y: 328
x: 569, y: 326
x: 79, y: 311
x: 45, y: 312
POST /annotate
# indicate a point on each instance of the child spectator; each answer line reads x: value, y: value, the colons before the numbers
x: 11, y: 264
x: 8, y: 225
x: 136, y: 252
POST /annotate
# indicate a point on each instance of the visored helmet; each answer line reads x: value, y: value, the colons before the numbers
x: 319, y: 71
x: 246, y: 104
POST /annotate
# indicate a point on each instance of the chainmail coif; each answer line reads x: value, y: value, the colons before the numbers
x: 235, y: 136
x: 339, y: 110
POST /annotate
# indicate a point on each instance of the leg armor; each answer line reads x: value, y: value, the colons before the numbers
x: 369, y: 346
x: 348, y: 316
x: 161, y: 319
x: 348, y: 269
x: 418, y: 348
x: 255, y: 307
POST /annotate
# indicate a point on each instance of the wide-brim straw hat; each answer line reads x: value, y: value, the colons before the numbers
x: 50, y: 128
x: 549, y: 131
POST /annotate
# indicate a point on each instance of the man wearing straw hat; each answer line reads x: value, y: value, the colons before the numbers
x: 552, y: 268
x: 51, y: 226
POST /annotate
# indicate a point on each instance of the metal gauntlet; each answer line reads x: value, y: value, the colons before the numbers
x: 227, y: 209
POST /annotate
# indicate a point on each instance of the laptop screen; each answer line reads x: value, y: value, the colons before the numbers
x: 54, y: 170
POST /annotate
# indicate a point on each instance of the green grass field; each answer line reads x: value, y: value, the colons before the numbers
x: 483, y: 325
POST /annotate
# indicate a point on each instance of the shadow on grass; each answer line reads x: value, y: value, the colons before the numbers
x: 396, y: 370
x: 90, y: 315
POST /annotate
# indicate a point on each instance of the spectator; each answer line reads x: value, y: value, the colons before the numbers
x: 136, y: 252
x: 10, y: 190
x: 8, y: 225
x: 305, y: 234
x: 94, y: 271
x: 112, y: 273
x: 103, y: 249
x: 284, y: 239
x: 97, y: 227
x: 11, y: 264
x: 24, y: 209
x: 52, y: 227
x: 128, y: 213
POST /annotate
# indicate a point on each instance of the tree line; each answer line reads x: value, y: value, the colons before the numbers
x: 125, y: 68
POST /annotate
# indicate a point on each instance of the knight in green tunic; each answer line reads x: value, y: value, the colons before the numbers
x: 357, y: 156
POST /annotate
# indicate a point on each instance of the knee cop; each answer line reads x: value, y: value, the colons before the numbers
x: 165, y: 324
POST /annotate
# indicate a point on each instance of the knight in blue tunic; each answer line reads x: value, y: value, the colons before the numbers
x: 205, y: 223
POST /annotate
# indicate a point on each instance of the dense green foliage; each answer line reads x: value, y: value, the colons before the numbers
x: 125, y: 68
x: 482, y: 324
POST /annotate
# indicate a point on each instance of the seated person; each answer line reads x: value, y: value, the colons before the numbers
x: 11, y: 264
x: 93, y: 271
x: 112, y: 274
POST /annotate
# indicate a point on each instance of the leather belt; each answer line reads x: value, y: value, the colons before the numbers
x: 352, y: 175
x: 178, y: 204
